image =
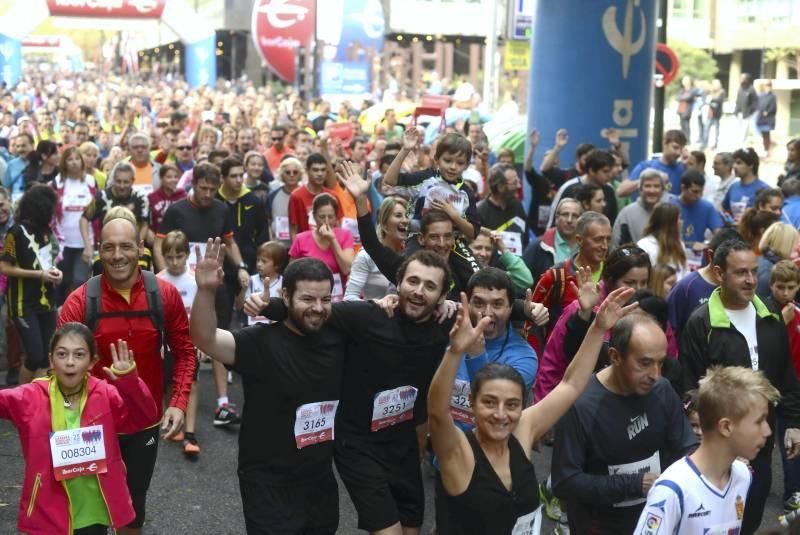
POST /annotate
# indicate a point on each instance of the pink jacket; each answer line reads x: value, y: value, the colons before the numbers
x: 124, y: 406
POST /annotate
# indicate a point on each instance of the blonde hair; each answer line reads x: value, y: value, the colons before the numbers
x: 659, y: 274
x: 780, y: 238
x: 385, y: 212
x: 175, y: 241
x: 730, y: 392
x: 286, y: 162
x: 120, y: 212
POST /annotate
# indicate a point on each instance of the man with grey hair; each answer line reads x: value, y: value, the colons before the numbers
x: 633, y: 218
x: 501, y: 211
x: 558, y: 243
x: 554, y: 289
x: 145, y: 176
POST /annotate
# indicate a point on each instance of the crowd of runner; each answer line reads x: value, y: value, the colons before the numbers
x: 390, y: 301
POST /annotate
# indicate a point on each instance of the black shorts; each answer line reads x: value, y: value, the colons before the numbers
x: 383, y: 481
x: 139, y: 452
x: 309, y: 508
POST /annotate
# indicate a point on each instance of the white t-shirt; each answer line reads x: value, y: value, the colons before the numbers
x: 745, y: 322
x: 76, y: 197
x: 256, y: 285
x: 683, y: 502
x: 185, y: 284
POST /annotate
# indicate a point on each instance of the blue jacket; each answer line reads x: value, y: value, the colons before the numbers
x: 13, y: 179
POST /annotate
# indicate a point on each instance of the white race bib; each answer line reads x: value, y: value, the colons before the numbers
x: 513, y: 241
x: 282, y: 228
x: 392, y: 407
x: 45, y: 256
x: 337, y: 294
x: 193, y: 258
x: 694, y: 261
x: 313, y: 423
x: 78, y: 452
x: 460, y: 408
x: 530, y: 524
x: 650, y: 465
x: 352, y: 226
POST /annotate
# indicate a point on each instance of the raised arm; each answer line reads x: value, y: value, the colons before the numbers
x: 217, y: 343
x: 410, y: 141
x: 551, y: 156
x: 539, y: 418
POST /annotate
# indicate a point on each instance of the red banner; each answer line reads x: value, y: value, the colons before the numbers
x: 123, y: 9
x: 279, y: 28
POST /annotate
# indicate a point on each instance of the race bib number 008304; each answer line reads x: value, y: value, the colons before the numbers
x: 78, y: 452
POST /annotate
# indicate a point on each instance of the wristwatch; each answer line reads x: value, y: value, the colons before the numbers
x: 243, y: 266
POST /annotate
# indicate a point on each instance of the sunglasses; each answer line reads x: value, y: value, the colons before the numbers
x: 185, y: 147
x: 277, y: 139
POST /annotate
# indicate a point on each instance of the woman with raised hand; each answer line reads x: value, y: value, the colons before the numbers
x: 486, y: 476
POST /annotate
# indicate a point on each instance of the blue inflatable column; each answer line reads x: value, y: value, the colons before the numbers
x: 592, y: 67
x: 201, y: 62
x: 10, y: 60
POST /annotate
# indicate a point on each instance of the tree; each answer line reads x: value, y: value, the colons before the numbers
x: 694, y: 62
x: 789, y: 56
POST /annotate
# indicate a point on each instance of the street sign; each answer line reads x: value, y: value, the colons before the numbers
x: 517, y: 56
x: 666, y: 65
x: 520, y: 19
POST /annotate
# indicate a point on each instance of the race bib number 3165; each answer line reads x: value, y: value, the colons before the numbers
x: 313, y: 423
x: 392, y: 407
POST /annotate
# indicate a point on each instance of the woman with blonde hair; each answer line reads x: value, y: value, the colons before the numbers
x: 662, y: 279
x: 776, y: 244
x: 662, y: 238
x: 290, y: 174
x: 91, y: 154
x: 366, y: 280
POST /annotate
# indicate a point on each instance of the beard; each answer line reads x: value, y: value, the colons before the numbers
x: 306, y: 322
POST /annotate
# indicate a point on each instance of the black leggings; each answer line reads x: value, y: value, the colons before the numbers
x: 36, y: 331
x: 94, y: 529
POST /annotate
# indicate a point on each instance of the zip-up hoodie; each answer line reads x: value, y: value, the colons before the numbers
x: 122, y: 406
x: 249, y: 223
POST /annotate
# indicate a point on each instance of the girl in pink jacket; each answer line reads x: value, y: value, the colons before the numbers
x: 68, y: 422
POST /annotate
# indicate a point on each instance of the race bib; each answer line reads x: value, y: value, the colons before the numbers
x: 694, y: 261
x: 513, y: 241
x: 282, y: 228
x: 447, y: 194
x: 193, y: 258
x: 460, y: 408
x: 313, y: 423
x: 45, y: 256
x: 392, y: 407
x: 75, y: 202
x: 78, y: 452
x: 650, y: 465
x: 337, y: 294
x: 352, y: 226
x: 530, y: 524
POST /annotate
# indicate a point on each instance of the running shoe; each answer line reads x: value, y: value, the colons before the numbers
x: 226, y: 415
x: 552, y: 507
x: 793, y: 503
x: 190, y: 445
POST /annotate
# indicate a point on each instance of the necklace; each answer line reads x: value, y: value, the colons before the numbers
x: 67, y: 402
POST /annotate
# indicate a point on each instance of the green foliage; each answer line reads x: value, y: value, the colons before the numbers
x: 694, y: 62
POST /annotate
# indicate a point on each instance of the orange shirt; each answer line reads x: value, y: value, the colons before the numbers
x: 142, y: 175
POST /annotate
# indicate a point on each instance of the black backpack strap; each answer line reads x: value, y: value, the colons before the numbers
x: 92, y: 306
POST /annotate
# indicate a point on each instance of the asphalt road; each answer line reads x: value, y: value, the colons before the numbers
x: 202, y: 497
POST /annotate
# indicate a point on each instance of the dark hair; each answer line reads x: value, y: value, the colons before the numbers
x: 453, y: 144
x: 279, y: 128
x: 791, y: 187
x: 207, y: 172
x: 218, y: 153
x: 622, y: 331
x: 315, y: 158
x: 36, y: 208
x: 726, y: 248
x: 652, y: 304
x: 355, y: 141
x: 693, y: 178
x: 690, y: 401
x: 584, y: 193
x: 748, y: 156
x: 675, y: 136
x: 700, y: 156
x: 726, y: 157
x: 75, y: 329
x: 598, y: 159
x: 581, y: 149
x: 324, y: 199
x: 27, y: 135
x: 386, y: 159
x: 275, y: 251
x: 44, y: 149
x: 724, y: 234
x: 305, y: 269
x: 497, y: 176
x: 764, y: 195
x: 429, y: 259
x: 494, y: 371
x: 165, y: 168
x: 621, y: 260
x: 431, y: 217
x: 754, y: 222
x: 493, y: 279
x: 229, y: 163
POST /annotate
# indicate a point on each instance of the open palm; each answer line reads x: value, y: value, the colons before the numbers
x: 208, y: 273
x: 351, y: 179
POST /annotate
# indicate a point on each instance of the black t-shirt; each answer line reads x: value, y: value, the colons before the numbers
x: 199, y: 224
x: 282, y: 371
x: 604, y: 444
x: 23, y: 250
x: 103, y: 200
x: 610, y: 211
x: 493, y: 217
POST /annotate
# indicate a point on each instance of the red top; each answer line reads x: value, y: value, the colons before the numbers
x: 793, y: 328
x: 300, y: 202
x: 159, y: 201
x: 142, y: 337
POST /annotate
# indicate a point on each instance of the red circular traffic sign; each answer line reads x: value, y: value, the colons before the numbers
x: 666, y: 63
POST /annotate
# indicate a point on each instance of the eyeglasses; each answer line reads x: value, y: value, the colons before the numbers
x: 185, y: 147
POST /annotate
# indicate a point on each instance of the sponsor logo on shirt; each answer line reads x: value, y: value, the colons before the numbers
x: 739, y: 507
x: 701, y: 511
x: 638, y: 424
x: 651, y: 524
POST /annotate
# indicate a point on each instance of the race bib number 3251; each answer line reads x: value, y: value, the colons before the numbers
x: 392, y: 407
